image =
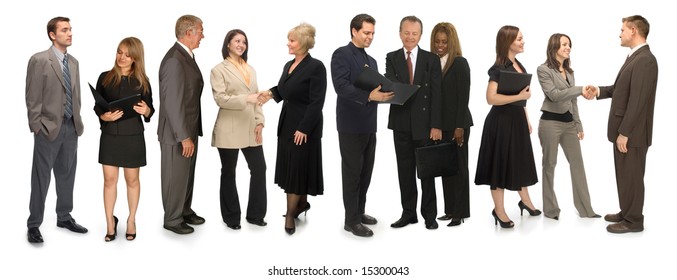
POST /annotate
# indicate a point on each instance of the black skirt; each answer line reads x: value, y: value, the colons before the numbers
x: 122, y: 150
x: 298, y: 169
x: 506, y: 158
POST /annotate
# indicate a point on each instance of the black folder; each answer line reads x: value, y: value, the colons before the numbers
x: 125, y: 104
x: 369, y: 79
x: 512, y: 83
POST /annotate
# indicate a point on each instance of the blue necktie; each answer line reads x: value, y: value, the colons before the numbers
x: 69, y: 94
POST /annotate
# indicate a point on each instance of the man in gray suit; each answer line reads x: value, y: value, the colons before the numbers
x: 53, y: 105
x: 180, y: 124
x: 631, y: 123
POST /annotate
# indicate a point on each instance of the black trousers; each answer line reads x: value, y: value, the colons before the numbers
x: 405, y: 148
x: 456, y: 188
x: 357, y: 164
x: 230, y: 201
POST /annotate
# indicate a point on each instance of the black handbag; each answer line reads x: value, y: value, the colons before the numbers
x: 437, y: 160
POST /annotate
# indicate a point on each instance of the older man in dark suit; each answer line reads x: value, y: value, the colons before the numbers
x: 180, y: 124
x: 356, y: 122
x: 631, y: 123
x: 53, y: 104
x: 416, y: 121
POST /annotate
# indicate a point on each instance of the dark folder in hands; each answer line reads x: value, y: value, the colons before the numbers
x: 512, y: 83
x: 125, y: 104
x: 369, y: 79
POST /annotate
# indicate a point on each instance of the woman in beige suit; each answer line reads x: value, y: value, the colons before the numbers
x: 561, y: 125
x: 238, y: 126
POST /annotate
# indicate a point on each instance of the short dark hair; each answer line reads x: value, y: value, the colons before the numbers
x: 51, y: 25
x: 412, y: 19
x: 357, y: 21
x: 229, y: 36
x: 640, y: 23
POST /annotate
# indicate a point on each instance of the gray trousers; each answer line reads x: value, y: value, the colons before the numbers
x: 553, y: 134
x: 61, y: 156
x: 177, y: 176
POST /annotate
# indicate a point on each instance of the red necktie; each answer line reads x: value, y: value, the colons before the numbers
x: 411, y: 68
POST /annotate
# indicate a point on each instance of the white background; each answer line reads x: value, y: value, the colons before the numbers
x: 536, y: 247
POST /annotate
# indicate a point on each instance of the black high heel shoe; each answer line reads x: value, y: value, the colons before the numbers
x: 111, y: 237
x: 507, y: 224
x: 290, y: 230
x: 532, y: 212
x: 304, y: 211
x: 130, y: 236
x: 455, y: 222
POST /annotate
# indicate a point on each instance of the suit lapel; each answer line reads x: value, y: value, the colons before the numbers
x: 629, y: 60
x: 230, y: 67
x: 56, y: 67
x: 401, y: 64
x: 189, y: 59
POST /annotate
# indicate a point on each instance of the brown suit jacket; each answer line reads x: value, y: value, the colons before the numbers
x: 632, y: 99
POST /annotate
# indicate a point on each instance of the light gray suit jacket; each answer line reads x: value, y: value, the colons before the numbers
x: 560, y: 96
x: 46, y: 93
x: 180, y: 91
x: 235, y: 123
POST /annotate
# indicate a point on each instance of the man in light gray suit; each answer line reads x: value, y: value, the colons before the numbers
x: 53, y: 105
x: 180, y: 124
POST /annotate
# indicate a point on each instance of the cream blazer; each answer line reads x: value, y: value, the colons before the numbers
x: 236, y: 120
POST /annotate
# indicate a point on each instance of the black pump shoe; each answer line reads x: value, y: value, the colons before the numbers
x: 532, y: 212
x: 507, y: 224
x: 111, y: 237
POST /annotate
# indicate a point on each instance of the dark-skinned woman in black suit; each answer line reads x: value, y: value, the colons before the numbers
x: 456, y: 118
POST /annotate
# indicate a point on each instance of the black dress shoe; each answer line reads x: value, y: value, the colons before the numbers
x: 71, y: 225
x: 34, y: 235
x: 193, y: 219
x: 359, y: 230
x: 402, y: 222
x: 368, y: 220
x: 258, y: 222
x: 431, y: 225
x: 446, y: 217
x: 234, y: 226
x: 181, y: 228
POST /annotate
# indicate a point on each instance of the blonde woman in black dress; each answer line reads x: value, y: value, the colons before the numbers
x: 122, y: 143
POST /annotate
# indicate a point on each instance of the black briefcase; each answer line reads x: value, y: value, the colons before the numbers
x: 437, y: 160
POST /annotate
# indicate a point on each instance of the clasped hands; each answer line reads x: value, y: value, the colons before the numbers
x: 260, y: 97
x: 589, y: 92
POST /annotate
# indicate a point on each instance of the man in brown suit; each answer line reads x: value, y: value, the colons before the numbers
x: 631, y: 122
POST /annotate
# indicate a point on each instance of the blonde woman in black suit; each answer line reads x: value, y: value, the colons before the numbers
x: 302, y: 87
x: 560, y: 125
x: 456, y: 118
x: 122, y: 143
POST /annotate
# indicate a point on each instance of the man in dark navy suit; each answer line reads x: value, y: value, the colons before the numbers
x: 356, y: 122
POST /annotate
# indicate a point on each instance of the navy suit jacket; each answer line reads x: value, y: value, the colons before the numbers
x: 354, y: 112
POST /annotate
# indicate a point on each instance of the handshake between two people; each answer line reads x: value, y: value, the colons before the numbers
x: 589, y: 92
x: 259, y: 98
